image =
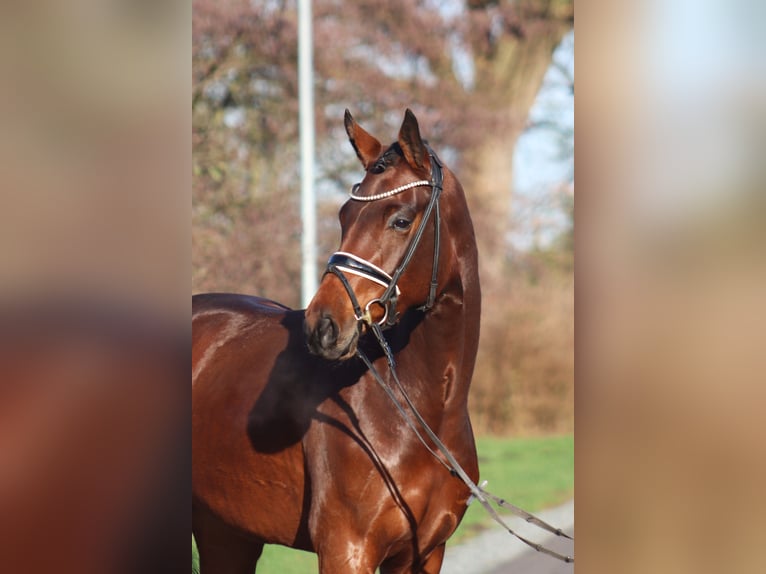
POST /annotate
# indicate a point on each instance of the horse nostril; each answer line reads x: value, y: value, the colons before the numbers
x: 327, y: 331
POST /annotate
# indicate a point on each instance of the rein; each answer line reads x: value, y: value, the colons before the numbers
x: 341, y: 263
x: 448, y: 460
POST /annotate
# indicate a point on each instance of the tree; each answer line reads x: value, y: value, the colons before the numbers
x: 376, y: 58
x: 513, y: 43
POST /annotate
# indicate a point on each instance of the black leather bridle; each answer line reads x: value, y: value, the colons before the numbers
x: 342, y: 263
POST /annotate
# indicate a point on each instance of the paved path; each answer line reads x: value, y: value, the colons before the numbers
x: 497, y: 552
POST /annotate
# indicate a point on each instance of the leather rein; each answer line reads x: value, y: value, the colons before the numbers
x: 341, y: 263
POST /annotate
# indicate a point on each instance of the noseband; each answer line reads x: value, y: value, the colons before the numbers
x: 342, y: 263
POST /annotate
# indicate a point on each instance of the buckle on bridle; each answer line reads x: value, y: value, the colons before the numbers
x: 366, y: 316
x: 341, y: 263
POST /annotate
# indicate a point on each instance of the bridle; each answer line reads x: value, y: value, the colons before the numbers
x: 342, y: 263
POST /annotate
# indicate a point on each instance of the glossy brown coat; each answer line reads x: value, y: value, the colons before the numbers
x: 304, y: 448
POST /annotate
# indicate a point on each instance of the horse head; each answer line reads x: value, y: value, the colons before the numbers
x: 389, y: 256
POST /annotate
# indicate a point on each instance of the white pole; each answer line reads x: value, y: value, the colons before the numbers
x: 306, y: 118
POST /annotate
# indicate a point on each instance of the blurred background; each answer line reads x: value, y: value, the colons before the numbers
x: 94, y: 271
x: 492, y: 85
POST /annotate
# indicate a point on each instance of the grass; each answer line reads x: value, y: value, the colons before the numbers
x: 533, y: 473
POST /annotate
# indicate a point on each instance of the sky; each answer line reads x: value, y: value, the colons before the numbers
x: 544, y: 156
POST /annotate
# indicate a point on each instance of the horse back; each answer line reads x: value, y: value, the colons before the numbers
x: 218, y: 319
x: 247, y: 376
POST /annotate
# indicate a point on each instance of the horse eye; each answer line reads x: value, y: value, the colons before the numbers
x: 379, y: 167
x: 401, y: 224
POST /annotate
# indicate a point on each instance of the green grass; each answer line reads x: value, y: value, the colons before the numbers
x: 533, y: 473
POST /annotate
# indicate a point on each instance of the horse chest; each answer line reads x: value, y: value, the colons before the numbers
x: 376, y: 473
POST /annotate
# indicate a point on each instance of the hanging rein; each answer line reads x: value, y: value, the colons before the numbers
x: 342, y: 263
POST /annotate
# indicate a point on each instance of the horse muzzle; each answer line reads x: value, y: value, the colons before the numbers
x: 335, y: 317
x: 325, y: 338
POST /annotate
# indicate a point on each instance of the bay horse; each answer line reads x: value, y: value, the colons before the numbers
x: 294, y: 442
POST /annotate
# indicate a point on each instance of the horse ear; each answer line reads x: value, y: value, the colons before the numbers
x: 366, y: 146
x: 410, y: 141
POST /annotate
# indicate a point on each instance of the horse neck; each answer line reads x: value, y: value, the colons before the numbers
x: 454, y: 322
x: 448, y: 334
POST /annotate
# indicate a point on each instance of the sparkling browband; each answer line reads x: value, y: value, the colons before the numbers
x: 385, y: 194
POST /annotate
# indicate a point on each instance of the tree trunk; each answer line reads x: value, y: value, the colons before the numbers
x: 510, y: 75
